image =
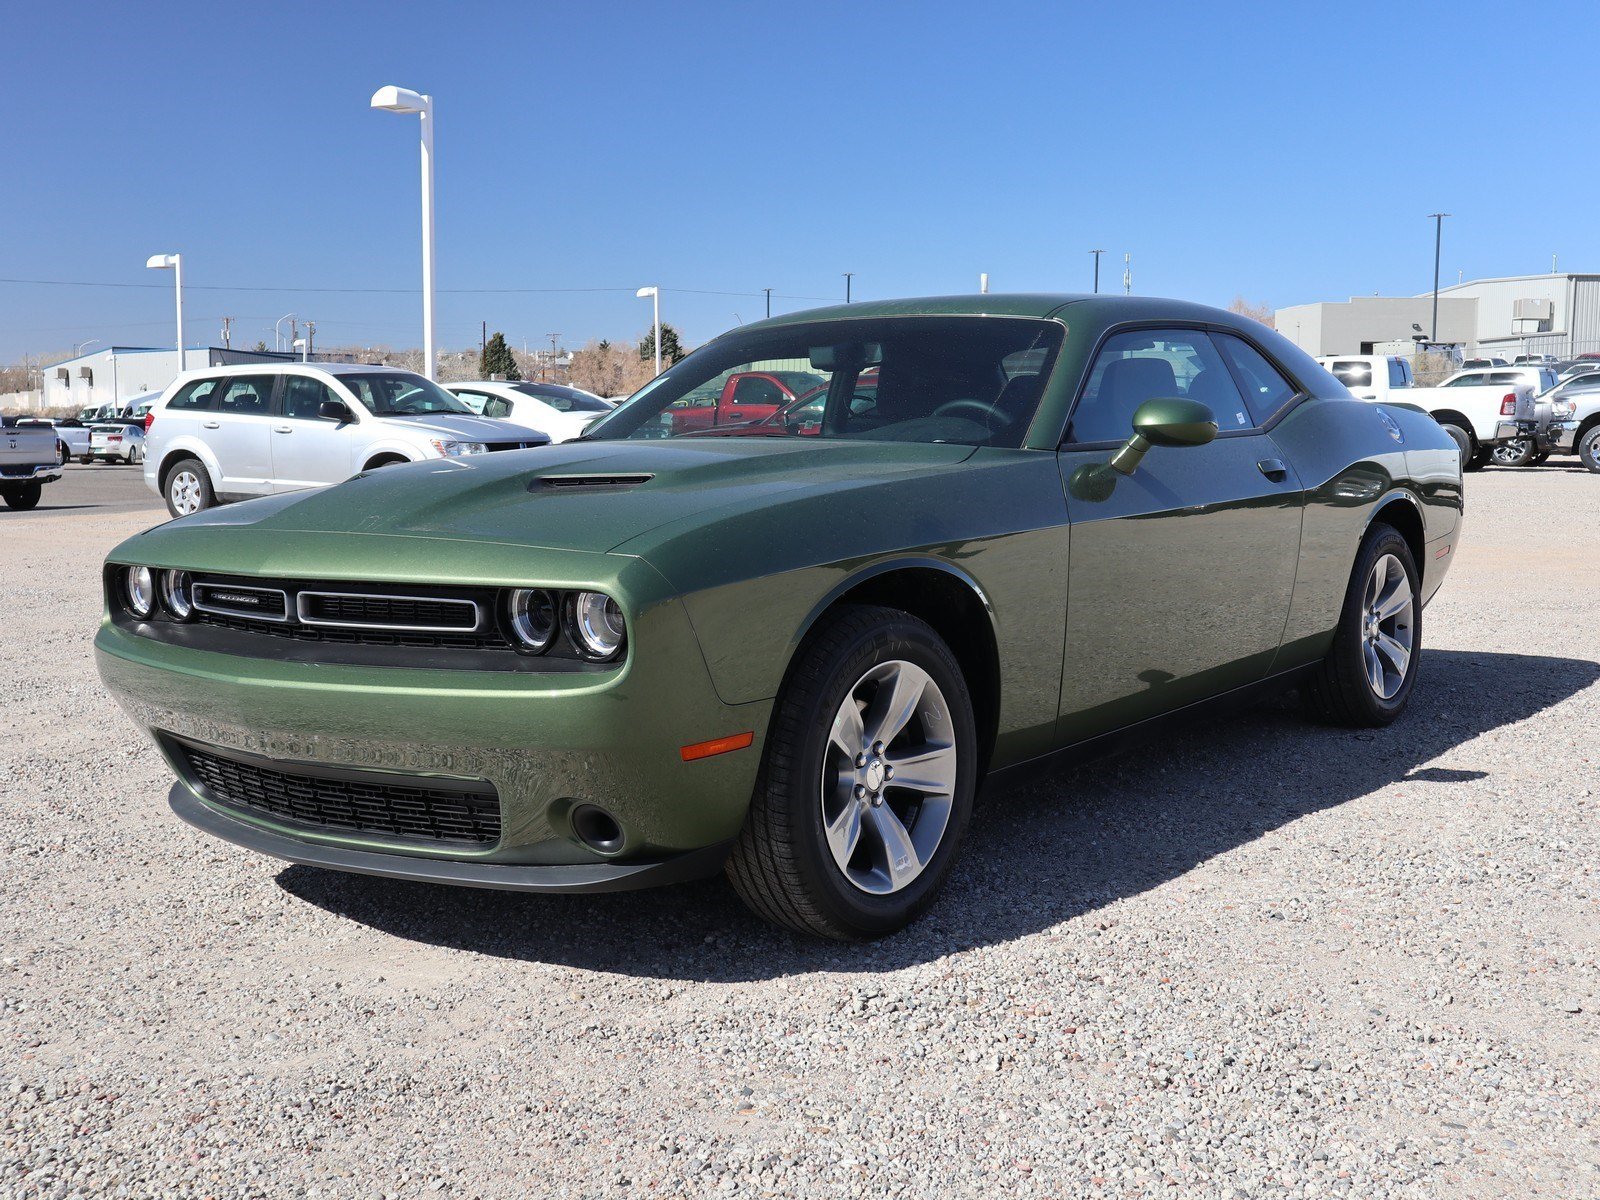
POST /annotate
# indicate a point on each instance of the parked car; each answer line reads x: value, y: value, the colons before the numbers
x: 743, y: 397
x: 1472, y: 364
x: 72, y: 438
x: 560, y: 413
x: 1534, y: 360
x: 1370, y: 376
x: 1568, y: 421
x: 634, y: 659
x: 254, y: 429
x: 1481, y: 409
x: 117, y: 441
x: 30, y: 457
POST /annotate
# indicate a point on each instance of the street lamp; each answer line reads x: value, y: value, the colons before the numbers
x: 1438, y: 234
x: 173, y: 262
x: 77, y: 350
x: 403, y: 100
x: 848, y: 276
x: 655, y: 303
x: 1097, y: 254
x: 303, y: 346
x: 277, y: 330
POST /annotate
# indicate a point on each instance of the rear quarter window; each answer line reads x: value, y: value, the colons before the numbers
x: 196, y: 396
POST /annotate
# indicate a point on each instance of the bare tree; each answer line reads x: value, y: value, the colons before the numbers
x: 608, y: 369
x: 1256, y: 312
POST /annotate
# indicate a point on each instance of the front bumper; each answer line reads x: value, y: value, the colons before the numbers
x: 575, y: 877
x: 1559, y: 437
x: 547, y: 743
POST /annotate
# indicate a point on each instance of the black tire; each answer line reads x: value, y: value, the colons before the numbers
x: 1478, y: 461
x: 23, y: 496
x: 781, y: 865
x: 86, y: 459
x: 1541, y: 458
x: 64, y: 452
x: 1515, y: 452
x: 1463, y: 441
x: 1589, y: 449
x: 1338, y: 690
x: 177, y: 479
x: 135, y: 456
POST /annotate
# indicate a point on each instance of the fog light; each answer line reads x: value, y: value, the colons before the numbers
x: 141, y: 590
x: 597, y: 829
x: 533, y: 619
x: 594, y: 622
x: 175, y: 594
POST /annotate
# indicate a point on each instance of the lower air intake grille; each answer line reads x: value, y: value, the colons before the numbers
x: 459, y: 812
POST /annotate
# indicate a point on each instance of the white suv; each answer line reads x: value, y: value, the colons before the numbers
x: 255, y: 429
x: 560, y: 412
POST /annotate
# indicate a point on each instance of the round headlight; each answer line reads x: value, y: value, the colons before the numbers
x: 533, y: 619
x: 594, y: 622
x: 141, y: 588
x: 175, y: 594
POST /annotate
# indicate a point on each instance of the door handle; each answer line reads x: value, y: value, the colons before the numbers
x: 283, y: 429
x: 1273, y: 469
x: 211, y: 424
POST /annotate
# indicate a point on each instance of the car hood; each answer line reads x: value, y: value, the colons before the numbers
x: 580, y: 496
x: 466, y: 428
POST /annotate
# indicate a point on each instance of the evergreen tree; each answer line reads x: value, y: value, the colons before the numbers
x: 497, y: 359
x: 671, y: 348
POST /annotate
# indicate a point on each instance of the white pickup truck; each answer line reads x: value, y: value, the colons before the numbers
x: 1481, y: 409
x: 29, y: 458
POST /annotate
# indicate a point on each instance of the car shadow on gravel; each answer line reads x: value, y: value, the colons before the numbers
x: 1054, y: 850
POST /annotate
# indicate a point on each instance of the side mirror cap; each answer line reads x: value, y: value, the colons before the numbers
x: 335, y: 410
x: 1164, y: 421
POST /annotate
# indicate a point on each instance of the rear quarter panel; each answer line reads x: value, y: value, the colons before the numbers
x: 1352, y: 467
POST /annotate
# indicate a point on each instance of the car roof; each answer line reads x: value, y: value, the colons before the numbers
x: 268, y: 368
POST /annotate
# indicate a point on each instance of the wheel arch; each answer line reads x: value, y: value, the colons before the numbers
x: 1584, y: 427
x: 172, y: 454
x: 1400, y: 511
x: 1449, y: 416
x: 953, y: 604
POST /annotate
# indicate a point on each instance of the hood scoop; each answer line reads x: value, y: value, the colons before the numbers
x: 586, y: 483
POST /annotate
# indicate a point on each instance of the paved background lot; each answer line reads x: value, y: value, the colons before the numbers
x: 1265, y: 958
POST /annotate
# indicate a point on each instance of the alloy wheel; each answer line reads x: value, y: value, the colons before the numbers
x: 1513, y: 453
x: 888, y: 777
x: 1387, y: 628
x: 184, y: 489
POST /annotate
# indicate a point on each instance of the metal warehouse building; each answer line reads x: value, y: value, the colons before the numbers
x: 1520, y: 314
x: 119, y: 373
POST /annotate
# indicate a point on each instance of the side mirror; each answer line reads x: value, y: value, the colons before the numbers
x: 335, y: 410
x: 1165, y: 421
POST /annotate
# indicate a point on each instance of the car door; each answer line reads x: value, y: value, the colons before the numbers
x: 754, y: 398
x: 1180, y: 575
x: 239, y: 431
x: 309, y: 449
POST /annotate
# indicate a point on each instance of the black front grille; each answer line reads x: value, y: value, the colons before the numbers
x: 493, y: 446
x: 458, y: 812
x: 361, y: 637
x: 352, y: 609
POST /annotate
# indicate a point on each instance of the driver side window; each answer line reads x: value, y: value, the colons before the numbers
x: 1147, y: 364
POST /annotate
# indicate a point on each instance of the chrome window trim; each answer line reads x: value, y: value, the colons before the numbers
x: 300, y: 613
x: 200, y: 585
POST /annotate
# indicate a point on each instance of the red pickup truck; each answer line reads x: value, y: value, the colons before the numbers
x: 746, y: 396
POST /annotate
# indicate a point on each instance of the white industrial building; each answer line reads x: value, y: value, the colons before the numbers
x: 1521, y: 314
x: 119, y: 373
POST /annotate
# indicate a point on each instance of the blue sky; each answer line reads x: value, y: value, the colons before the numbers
x: 1284, y: 152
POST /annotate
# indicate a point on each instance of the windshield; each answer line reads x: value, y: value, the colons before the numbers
x: 970, y: 380
x: 563, y: 399
x: 401, y: 394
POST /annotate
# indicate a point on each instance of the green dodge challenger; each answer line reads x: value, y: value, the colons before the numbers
x: 1000, y: 532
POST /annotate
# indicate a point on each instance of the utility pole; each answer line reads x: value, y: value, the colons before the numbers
x: 848, y: 276
x: 311, y: 338
x: 227, y: 323
x: 1097, y: 254
x: 483, y: 343
x: 1127, y: 274
x: 294, y: 332
x: 768, y: 291
x: 553, y: 351
x: 1438, y: 237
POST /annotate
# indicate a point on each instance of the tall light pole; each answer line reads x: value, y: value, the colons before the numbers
x: 768, y: 291
x: 77, y: 350
x: 277, y: 331
x: 848, y: 276
x: 655, y: 303
x: 1097, y: 254
x: 174, y: 263
x: 1438, y: 236
x: 403, y: 100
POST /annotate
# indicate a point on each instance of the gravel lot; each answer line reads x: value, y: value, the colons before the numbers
x: 1263, y: 959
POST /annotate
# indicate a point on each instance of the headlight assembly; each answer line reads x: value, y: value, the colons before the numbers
x: 175, y: 594
x: 140, y: 590
x: 450, y: 448
x: 534, y: 619
x: 595, y: 625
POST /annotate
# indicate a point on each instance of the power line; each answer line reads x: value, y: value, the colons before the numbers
x: 214, y: 287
